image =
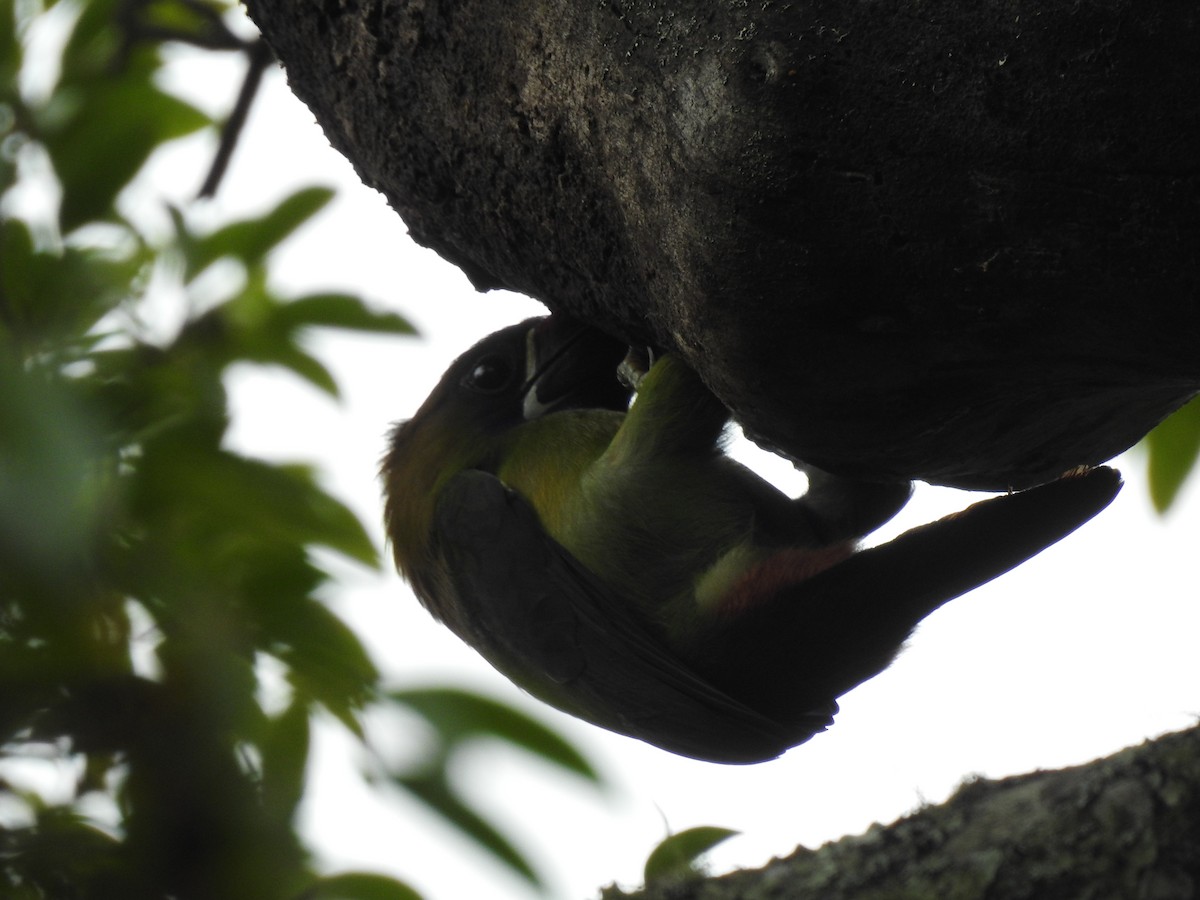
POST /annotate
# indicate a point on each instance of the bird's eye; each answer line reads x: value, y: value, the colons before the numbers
x: 490, y: 374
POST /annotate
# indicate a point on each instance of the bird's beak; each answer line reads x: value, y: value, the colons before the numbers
x: 569, y: 365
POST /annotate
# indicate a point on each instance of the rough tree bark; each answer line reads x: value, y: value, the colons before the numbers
x: 899, y: 238
x: 1125, y: 826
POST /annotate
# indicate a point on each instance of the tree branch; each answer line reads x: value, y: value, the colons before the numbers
x: 1124, y: 826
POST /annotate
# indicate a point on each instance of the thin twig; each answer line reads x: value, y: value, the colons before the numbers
x: 260, y: 56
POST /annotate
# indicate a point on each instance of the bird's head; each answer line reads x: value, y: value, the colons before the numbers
x: 518, y: 374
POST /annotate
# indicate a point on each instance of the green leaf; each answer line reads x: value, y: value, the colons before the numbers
x: 246, y: 328
x: 113, y: 127
x: 359, y: 886
x: 289, y: 356
x: 95, y: 40
x: 1173, y: 448
x: 11, y: 53
x: 53, y: 298
x: 250, y: 240
x: 255, y: 497
x: 184, y: 19
x: 460, y: 716
x: 285, y: 760
x: 675, y: 858
x: 457, y: 718
x: 328, y: 521
x: 325, y: 659
x: 260, y: 327
x: 48, y: 505
x: 61, y: 849
x: 432, y: 789
x: 16, y: 265
x: 341, y: 311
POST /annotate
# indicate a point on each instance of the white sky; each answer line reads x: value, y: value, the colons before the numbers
x: 1084, y: 650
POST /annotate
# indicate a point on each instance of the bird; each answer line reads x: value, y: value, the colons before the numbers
x: 566, y: 507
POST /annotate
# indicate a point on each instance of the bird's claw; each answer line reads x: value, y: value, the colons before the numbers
x: 634, y: 366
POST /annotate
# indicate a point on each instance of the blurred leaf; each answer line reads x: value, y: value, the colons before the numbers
x: 459, y: 716
x: 330, y: 521
x: 269, y: 346
x: 94, y: 43
x: 341, y: 311
x: 359, y: 886
x: 1173, y: 448
x: 433, y: 789
x: 325, y: 659
x: 182, y: 18
x: 253, y: 497
x: 57, y: 297
x: 99, y: 712
x: 16, y: 267
x: 250, y: 240
x: 285, y: 760
x: 145, y: 568
x: 103, y: 143
x: 675, y: 858
x: 10, y: 53
x: 62, y: 855
x: 155, y: 395
x: 47, y: 512
x: 259, y: 327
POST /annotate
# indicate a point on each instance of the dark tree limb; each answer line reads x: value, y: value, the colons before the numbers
x: 942, y: 240
x: 1125, y: 826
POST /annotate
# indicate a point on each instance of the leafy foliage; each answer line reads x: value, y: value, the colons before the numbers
x: 1173, y: 448
x: 676, y: 857
x: 147, y: 571
x: 458, y: 718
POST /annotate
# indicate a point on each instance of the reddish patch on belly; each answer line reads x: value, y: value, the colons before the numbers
x: 760, y: 583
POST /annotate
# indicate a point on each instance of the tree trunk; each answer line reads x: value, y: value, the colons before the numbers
x: 926, y: 239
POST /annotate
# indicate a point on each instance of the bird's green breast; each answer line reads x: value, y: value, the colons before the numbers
x: 546, y: 461
x: 665, y: 533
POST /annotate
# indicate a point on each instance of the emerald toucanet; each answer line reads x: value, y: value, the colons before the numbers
x: 614, y: 562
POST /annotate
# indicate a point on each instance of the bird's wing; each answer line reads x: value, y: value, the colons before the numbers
x: 551, y: 626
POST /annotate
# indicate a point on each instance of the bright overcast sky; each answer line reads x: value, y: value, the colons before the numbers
x: 1086, y: 649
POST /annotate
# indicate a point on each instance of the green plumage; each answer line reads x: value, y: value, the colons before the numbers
x: 617, y: 564
x: 649, y: 502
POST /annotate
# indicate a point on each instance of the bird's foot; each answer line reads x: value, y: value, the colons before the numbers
x: 635, y: 365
